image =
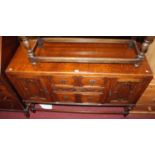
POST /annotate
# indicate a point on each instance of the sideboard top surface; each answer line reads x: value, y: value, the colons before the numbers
x: 21, y: 64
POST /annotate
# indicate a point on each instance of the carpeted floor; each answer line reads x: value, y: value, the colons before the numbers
x: 58, y: 115
x: 49, y: 115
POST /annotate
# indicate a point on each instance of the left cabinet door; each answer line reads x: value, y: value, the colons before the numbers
x: 31, y: 88
x: 7, y: 99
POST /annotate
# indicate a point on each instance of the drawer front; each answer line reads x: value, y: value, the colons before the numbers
x: 63, y: 80
x: 92, y: 81
x: 90, y: 89
x: 63, y: 89
x: 65, y: 97
x: 91, y: 98
x: 78, y: 98
x: 77, y: 89
x: 119, y: 101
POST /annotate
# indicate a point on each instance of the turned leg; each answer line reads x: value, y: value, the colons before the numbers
x: 26, y: 43
x: 33, y: 108
x: 126, y: 111
x: 26, y: 112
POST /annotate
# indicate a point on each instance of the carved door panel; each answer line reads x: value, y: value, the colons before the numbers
x: 32, y: 88
x: 123, y: 91
x: 7, y: 100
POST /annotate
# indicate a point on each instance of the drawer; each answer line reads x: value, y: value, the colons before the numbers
x: 119, y: 101
x: 63, y: 80
x: 77, y: 81
x: 65, y: 97
x: 92, y: 81
x: 77, y: 89
x: 58, y: 88
x: 91, y: 98
x: 78, y: 98
x: 90, y: 89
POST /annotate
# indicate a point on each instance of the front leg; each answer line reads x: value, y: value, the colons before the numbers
x: 33, y: 108
x: 26, y: 111
x: 126, y: 111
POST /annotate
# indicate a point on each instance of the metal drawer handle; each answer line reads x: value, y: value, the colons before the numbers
x: 110, y: 93
x: 63, y: 81
x: 92, y: 82
x: 66, y: 97
x: 90, y: 98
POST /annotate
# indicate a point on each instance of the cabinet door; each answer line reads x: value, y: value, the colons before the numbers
x: 31, y: 88
x: 124, y: 91
x: 7, y: 99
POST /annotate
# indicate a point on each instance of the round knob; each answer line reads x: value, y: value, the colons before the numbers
x: 66, y: 97
x: 63, y: 81
x: 92, y: 82
x: 90, y: 98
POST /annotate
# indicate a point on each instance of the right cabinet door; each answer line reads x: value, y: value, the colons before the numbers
x: 125, y: 91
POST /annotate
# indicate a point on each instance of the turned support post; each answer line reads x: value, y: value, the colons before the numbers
x: 144, y: 48
x: 145, y: 45
x: 27, y: 45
